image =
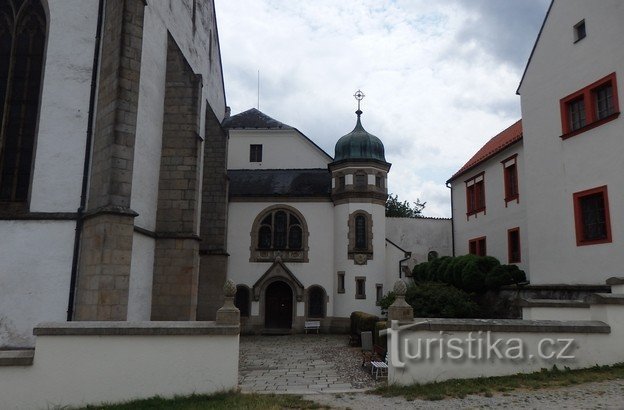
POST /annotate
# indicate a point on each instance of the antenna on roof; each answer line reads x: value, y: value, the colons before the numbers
x: 258, y: 90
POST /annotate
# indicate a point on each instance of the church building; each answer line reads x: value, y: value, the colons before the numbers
x: 307, y: 232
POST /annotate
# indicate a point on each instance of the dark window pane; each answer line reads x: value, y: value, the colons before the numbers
x: 294, y: 238
x: 604, y: 101
x: 361, y: 180
x: 316, y: 302
x: 255, y: 153
x: 576, y: 114
x: 360, y: 232
x: 279, y: 234
x: 264, y: 237
x: 241, y: 300
x: 594, y: 218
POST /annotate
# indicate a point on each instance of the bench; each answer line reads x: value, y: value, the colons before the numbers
x: 379, y: 369
x: 312, y: 325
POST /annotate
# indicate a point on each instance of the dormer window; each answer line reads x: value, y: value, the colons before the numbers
x: 579, y: 31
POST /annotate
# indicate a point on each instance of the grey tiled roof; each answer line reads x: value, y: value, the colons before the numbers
x: 280, y: 183
x: 254, y: 118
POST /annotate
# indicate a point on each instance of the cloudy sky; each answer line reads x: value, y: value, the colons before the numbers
x: 439, y: 76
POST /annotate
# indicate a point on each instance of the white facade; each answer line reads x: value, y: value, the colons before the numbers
x: 499, y: 215
x: 37, y: 246
x: 421, y: 236
x: 558, y: 168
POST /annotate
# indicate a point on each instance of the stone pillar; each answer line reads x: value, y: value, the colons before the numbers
x: 106, y: 247
x: 176, y: 258
x: 400, y: 310
x: 228, y: 314
x: 213, y: 229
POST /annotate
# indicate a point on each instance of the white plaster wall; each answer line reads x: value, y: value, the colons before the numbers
x: 374, y: 270
x: 34, y: 276
x: 393, y: 256
x: 141, y: 276
x: 203, y: 56
x: 148, y: 143
x: 555, y: 313
x: 60, y: 144
x: 420, y: 236
x: 556, y: 169
x: 281, y: 149
x: 318, y: 271
x: 81, y: 370
x: 498, y: 217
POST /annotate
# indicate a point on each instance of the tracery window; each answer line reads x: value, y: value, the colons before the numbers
x: 316, y: 302
x: 22, y: 43
x: 279, y: 230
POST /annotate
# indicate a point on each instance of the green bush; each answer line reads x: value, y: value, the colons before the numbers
x: 470, y: 273
x: 432, y: 299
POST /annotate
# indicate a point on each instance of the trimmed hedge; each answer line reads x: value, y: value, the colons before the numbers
x: 362, y: 322
x: 470, y: 273
x: 377, y: 338
x: 434, y: 299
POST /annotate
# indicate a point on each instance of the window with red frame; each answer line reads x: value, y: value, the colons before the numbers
x: 591, y: 214
x: 513, y: 245
x: 475, y: 195
x: 590, y: 107
x: 477, y: 246
x: 510, y: 170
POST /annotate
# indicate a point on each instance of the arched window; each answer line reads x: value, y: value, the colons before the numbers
x: 22, y: 42
x: 279, y: 231
x: 316, y: 302
x: 360, y: 237
x: 241, y: 301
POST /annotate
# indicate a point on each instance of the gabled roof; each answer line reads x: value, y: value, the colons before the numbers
x: 254, y: 118
x: 534, y: 47
x: 279, y: 183
x: 497, y: 144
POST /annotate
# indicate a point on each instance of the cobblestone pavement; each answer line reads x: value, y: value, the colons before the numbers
x: 301, y: 364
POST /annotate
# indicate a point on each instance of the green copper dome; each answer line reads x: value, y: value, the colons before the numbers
x: 359, y: 145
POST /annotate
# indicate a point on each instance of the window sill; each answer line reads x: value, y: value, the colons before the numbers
x: 590, y: 126
x: 475, y: 212
x: 360, y: 296
x: 596, y: 242
x: 511, y: 199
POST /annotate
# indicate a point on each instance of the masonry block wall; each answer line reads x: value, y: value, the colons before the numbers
x: 176, y: 262
x: 106, y: 250
x: 213, y: 248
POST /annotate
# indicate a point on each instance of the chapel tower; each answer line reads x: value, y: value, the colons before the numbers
x: 359, y: 192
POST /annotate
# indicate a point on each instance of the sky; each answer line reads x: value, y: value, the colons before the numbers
x: 440, y: 77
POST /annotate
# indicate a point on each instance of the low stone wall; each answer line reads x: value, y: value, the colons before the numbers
x: 525, y: 346
x: 79, y: 363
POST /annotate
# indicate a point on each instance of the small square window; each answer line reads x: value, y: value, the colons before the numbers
x: 255, y: 153
x: 579, y: 31
x: 341, y: 282
x: 360, y: 287
x: 477, y: 246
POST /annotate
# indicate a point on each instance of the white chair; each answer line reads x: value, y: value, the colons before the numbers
x: 379, y: 369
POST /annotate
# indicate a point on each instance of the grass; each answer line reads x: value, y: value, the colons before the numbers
x: 226, y: 400
x: 487, y: 386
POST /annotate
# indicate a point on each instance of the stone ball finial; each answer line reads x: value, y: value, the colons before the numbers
x: 229, y: 288
x: 400, y: 288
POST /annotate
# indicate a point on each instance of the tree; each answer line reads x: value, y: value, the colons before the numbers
x: 398, y: 209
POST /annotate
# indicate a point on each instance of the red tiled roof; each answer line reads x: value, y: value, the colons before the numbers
x: 501, y: 141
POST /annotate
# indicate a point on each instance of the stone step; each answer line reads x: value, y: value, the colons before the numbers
x: 606, y: 299
x: 17, y: 357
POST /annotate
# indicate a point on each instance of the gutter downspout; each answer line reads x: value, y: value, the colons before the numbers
x: 452, y: 221
x: 87, y: 164
x: 408, y: 255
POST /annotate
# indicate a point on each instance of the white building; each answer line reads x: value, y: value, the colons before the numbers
x: 570, y: 156
x: 307, y: 232
x: 113, y: 234
x: 488, y: 201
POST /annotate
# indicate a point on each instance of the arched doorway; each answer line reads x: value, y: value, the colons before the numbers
x: 278, y: 305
